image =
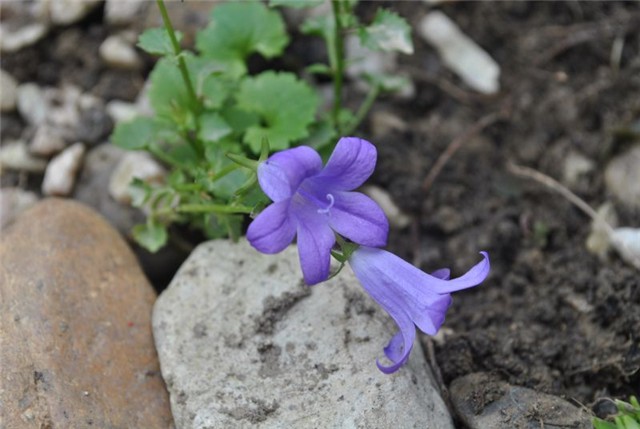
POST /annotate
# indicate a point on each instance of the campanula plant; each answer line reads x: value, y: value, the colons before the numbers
x: 318, y: 206
x: 208, y: 104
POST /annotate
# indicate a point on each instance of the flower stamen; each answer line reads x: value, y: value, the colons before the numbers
x: 331, y: 203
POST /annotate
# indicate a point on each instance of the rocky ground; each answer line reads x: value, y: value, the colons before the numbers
x: 551, y: 333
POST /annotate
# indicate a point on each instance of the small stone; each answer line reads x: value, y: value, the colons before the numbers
x: 47, y: 141
x: 94, y: 124
x: 77, y: 348
x: 23, y: 24
x: 576, y: 166
x: 32, y: 104
x: 64, y: 112
x: 12, y: 40
x: 14, y: 201
x: 461, y: 54
x: 65, y: 12
x: 8, y: 92
x: 138, y: 165
x: 118, y: 12
x: 244, y: 343
x: 396, y: 216
x: 92, y: 188
x: 121, y: 111
x: 117, y: 52
x: 61, y: 171
x: 598, y: 241
x: 16, y: 156
x: 626, y: 241
x: 622, y: 177
x: 384, y: 123
x: 482, y: 402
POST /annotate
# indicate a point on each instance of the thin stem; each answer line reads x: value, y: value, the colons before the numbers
x: 363, y: 110
x: 338, y: 66
x: 158, y: 153
x: 182, y: 65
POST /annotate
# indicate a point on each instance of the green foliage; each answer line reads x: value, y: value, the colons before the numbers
x: 211, y: 117
x: 628, y: 416
x: 156, y: 41
x: 296, y: 106
x: 388, y: 32
x: 239, y: 29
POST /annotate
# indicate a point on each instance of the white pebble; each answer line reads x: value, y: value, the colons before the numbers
x: 16, y: 156
x: 119, y: 53
x: 118, y: 12
x: 27, y: 35
x: 65, y: 12
x: 61, y: 171
x: 8, y: 92
x: 32, y: 104
x: 138, y: 165
x: 461, y: 54
x: 121, y: 111
x: 47, y: 141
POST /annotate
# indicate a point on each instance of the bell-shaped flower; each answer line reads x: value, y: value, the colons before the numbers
x: 410, y: 296
x: 314, y: 203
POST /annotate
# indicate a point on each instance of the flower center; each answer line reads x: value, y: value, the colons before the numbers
x: 331, y: 202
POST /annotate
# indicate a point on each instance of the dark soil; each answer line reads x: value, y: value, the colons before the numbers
x: 528, y: 323
x: 552, y: 316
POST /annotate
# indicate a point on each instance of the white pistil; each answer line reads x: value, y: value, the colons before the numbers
x: 331, y: 202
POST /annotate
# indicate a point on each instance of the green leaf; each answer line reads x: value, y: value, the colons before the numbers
x: 286, y: 105
x: 388, y: 32
x: 151, y: 235
x: 135, y: 134
x: 297, y: 4
x: 167, y: 91
x: 213, y: 127
x: 238, y: 29
x: 156, y: 41
x: 139, y: 190
x: 319, y: 68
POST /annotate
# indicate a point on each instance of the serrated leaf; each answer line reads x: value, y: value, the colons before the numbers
x: 286, y: 105
x: 213, y: 127
x: 297, y: 4
x: 151, y: 235
x: 238, y: 29
x: 156, y: 41
x: 388, y: 32
x: 135, y: 134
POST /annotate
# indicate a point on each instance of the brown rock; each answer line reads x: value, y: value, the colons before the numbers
x: 76, y: 348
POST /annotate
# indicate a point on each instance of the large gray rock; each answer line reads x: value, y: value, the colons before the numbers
x: 244, y: 343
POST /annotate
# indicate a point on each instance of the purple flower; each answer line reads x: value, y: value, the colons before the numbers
x: 314, y: 203
x: 411, y: 297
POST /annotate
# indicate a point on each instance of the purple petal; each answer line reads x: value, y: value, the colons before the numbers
x: 416, y: 290
x: 442, y: 273
x: 473, y: 277
x: 282, y: 173
x: 358, y: 218
x: 400, y: 346
x: 384, y: 291
x: 273, y: 229
x: 352, y: 162
x: 315, y: 240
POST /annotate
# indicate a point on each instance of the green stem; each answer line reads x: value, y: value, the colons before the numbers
x: 363, y: 110
x: 158, y: 153
x: 338, y: 66
x: 212, y: 208
x: 182, y: 65
x: 196, y: 107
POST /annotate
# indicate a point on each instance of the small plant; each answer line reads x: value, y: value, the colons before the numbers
x: 628, y: 416
x: 208, y: 108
